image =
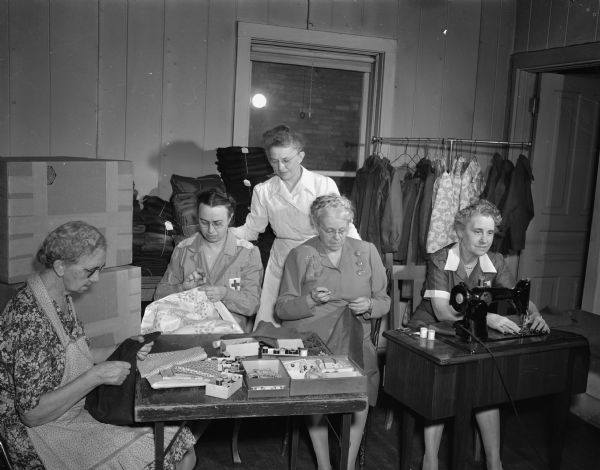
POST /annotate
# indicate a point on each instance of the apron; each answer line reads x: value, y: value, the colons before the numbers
x: 76, y: 440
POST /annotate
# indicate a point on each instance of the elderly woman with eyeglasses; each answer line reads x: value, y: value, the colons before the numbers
x: 227, y: 268
x: 48, y: 369
x: 329, y: 283
x: 284, y: 202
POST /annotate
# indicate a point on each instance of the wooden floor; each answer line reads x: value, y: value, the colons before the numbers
x: 524, y: 443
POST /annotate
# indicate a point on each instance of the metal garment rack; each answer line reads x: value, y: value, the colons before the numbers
x: 449, y: 141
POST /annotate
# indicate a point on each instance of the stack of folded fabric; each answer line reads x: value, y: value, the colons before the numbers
x: 241, y: 169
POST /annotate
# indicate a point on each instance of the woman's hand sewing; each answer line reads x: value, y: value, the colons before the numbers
x: 502, y: 324
x: 320, y: 295
x: 360, y: 305
x: 110, y: 372
x: 193, y: 280
x: 215, y: 293
x: 535, y: 322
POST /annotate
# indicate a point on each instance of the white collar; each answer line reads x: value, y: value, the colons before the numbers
x: 485, y: 263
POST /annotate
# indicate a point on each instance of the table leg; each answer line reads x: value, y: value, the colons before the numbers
x: 559, y: 414
x: 159, y: 444
x: 407, y: 433
x: 462, y: 434
x: 235, y: 451
x: 345, y: 438
x: 294, y: 444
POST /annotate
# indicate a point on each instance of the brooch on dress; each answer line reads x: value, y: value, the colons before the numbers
x: 360, y: 263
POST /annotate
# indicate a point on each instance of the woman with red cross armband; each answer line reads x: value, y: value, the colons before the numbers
x: 226, y: 267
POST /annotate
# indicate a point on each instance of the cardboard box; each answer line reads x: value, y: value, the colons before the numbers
x: 227, y: 388
x: 111, y: 308
x: 37, y: 194
x: 332, y: 384
x: 275, y: 384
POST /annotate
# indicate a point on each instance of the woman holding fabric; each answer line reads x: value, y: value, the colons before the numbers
x: 284, y: 201
x: 469, y: 261
x: 333, y: 284
x: 227, y: 268
x: 48, y: 369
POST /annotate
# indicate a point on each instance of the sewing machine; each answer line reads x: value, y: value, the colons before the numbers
x: 473, y: 305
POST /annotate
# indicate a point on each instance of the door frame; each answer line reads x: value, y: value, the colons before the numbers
x: 523, y: 64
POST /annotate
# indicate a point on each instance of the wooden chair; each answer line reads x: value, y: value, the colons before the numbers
x: 412, y: 275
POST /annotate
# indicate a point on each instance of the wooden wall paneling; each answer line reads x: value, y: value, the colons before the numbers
x: 291, y: 13
x: 499, y: 126
x: 460, y: 69
x: 321, y: 15
x: 145, y: 42
x: 430, y: 69
x: 407, y: 59
x: 523, y: 18
x: 220, y: 80
x: 379, y: 18
x: 4, y: 80
x: 186, y: 32
x: 539, y: 24
x: 347, y: 16
x: 582, y: 21
x: 557, y: 32
x: 112, y: 78
x: 253, y: 11
x: 29, y: 78
x: 487, y: 63
x: 73, y: 77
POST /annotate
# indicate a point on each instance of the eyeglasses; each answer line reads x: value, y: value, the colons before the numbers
x: 331, y: 231
x: 285, y: 160
x: 216, y: 224
x: 91, y: 272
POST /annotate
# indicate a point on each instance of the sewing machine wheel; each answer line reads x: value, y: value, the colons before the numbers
x: 459, y: 297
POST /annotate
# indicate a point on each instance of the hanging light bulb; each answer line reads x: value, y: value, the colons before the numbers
x: 259, y: 100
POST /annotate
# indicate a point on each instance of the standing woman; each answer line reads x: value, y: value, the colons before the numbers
x: 48, y: 369
x: 469, y: 261
x: 284, y: 201
x: 330, y: 283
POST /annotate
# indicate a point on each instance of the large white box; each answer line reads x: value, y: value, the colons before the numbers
x: 111, y: 308
x: 37, y: 194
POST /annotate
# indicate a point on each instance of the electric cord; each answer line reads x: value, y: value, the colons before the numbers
x: 504, y: 386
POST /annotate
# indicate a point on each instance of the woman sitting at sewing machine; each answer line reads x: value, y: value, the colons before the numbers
x: 468, y: 261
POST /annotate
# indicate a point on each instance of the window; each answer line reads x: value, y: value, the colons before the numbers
x: 336, y: 89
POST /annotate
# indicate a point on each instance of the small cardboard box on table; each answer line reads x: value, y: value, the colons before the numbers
x: 37, y: 194
x: 110, y: 310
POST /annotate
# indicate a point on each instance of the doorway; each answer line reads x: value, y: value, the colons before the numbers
x: 560, y: 255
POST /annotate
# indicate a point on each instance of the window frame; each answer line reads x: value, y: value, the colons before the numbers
x: 379, y: 115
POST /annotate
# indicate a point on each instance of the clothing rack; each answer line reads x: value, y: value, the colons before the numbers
x: 448, y: 141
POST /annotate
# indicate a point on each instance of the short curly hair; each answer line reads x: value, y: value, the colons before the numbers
x: 330, y: 201
x: 481, y: 207
x: 282, y: 136
x: 69, y: 242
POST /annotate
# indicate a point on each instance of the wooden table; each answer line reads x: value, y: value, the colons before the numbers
x: 191, y: 403
x: 442, y: 379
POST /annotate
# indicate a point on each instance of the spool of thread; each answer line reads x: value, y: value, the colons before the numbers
x: 430, y: 333
x: 423, y: 332
x: 216, y: 344
x: 303, y: 352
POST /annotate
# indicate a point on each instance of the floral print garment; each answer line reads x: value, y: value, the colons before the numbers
x: 33, y: 361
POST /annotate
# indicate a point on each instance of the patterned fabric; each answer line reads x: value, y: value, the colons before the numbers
x: 451, y: 193
x: 445, y: 270
x: 35, y: 361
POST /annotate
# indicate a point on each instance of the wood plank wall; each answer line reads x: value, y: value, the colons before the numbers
x: 152, y: 81
x: 547, y: 24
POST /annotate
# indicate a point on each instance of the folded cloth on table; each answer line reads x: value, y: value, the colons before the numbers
x: 156, y: 362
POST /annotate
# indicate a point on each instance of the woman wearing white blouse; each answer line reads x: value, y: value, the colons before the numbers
x: 283, y: 201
